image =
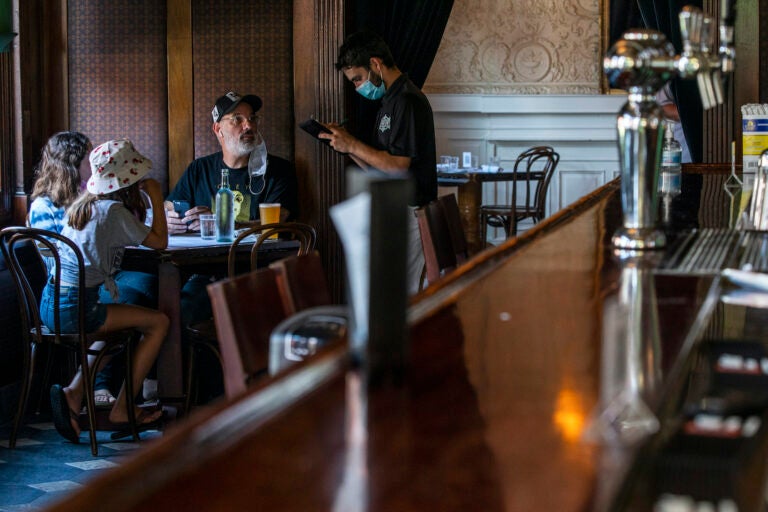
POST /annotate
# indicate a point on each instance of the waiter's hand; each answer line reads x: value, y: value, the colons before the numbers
x: 340, y: 139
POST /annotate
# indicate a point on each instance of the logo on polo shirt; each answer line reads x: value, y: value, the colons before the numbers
x: 385, y: 124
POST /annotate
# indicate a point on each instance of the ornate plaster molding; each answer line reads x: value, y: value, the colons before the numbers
x: 519, y: 47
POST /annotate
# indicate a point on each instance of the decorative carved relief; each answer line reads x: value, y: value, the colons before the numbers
x: 519, y: 47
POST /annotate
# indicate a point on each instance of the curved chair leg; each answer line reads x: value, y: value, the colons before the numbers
x: 508, y: 221
x: 191, y: 384
x: 130, y: 393
x: 26, y: 384
x: 89, y: 377
x: 46, y: 383
x: 190, y: 378
x: 484, y: 224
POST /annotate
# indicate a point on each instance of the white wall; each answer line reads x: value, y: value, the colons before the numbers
x: 581, y: 128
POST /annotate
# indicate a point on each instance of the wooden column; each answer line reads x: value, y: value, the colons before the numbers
x: 181, y: 137
x: 318, y: 32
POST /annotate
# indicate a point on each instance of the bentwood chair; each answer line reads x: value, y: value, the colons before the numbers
x: 303, y: 233
x: 442, y: 236
x: 202, y: 335
x: 534, y: 169
x: 21, y: 249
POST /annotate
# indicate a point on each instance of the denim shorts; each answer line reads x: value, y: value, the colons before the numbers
x: 95, y: 312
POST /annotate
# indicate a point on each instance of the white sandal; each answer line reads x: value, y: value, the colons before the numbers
x: 103, y: 398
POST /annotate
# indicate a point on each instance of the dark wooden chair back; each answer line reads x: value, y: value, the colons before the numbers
x: 302, y: 282
x: 442, y: 236
x: 450, y: 209
x: 246, y: 309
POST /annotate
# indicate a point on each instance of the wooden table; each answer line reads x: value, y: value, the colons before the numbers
x: 470, y: 198
x: 190, y: 254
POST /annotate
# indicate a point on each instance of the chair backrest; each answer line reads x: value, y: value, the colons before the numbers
x: 442, y: 236
x: 246, y: 309
x: 21, y: 248
x: 301, y: 281
x: 537, y: 164
x: 450, y: 208
x: 303, y: 233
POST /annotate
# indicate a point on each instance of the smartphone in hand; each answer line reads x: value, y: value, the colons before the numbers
x: 314, y: 128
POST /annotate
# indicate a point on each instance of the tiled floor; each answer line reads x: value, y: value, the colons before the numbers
x: 44, y: 467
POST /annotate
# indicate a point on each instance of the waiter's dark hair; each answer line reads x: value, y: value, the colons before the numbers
x: 358, y: 48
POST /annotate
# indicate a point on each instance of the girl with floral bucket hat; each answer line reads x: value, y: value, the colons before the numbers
x: 106, y: 217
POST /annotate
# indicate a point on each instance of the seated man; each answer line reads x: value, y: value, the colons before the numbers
x: 272, y: 180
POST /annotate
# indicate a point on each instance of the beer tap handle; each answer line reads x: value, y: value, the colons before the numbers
x: 702, y: 80
x: 686, y: 22
x: 718, y: 86
x: 690, y: 29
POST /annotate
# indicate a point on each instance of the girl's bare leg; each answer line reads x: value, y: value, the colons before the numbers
x: 154, y: 326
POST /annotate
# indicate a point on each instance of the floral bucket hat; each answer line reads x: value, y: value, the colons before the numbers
x: 114, y: 165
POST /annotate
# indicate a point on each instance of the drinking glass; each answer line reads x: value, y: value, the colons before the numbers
x: 269, y: 213
x: 445, y: 163
x: 207, y: 226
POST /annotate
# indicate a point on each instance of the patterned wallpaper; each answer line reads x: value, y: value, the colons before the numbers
x: 117, y: 74
x: 519, y: 47
x: 246, y: 47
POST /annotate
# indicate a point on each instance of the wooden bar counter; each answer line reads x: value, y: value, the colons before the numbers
x: 497, y: 409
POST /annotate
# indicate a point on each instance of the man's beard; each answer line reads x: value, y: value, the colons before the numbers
x: 238, y: 147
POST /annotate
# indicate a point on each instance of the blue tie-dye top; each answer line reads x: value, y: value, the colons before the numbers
x: 43, y: 214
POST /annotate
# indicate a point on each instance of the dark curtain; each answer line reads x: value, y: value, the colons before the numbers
x: 413, y: 29
x: 625, y: 14
x: 662, y: 15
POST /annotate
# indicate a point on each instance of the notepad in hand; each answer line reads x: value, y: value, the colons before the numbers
x: 314, y: 128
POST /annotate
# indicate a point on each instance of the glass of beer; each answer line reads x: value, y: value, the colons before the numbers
x: 269, y: 213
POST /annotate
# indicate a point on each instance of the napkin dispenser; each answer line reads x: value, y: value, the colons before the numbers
x: 303, y: 334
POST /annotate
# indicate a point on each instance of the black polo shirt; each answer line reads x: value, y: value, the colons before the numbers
x: 404, y: 127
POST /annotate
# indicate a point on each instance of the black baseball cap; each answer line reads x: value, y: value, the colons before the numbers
x: 229, y: 101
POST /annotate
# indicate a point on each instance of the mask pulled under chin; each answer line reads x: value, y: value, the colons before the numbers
x: 257, y: 160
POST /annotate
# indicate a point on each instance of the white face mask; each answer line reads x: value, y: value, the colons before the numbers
x: 257, y: 160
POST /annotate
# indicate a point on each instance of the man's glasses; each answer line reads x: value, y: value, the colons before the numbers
x: 239, y: 119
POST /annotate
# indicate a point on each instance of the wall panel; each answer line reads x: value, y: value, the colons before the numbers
x: 117, y: 74
x: 245, y: 47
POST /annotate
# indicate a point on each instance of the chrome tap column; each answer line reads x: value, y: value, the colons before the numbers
x: 641, y: 63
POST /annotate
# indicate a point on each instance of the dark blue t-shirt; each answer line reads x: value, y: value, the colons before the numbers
x: 202, y: 179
